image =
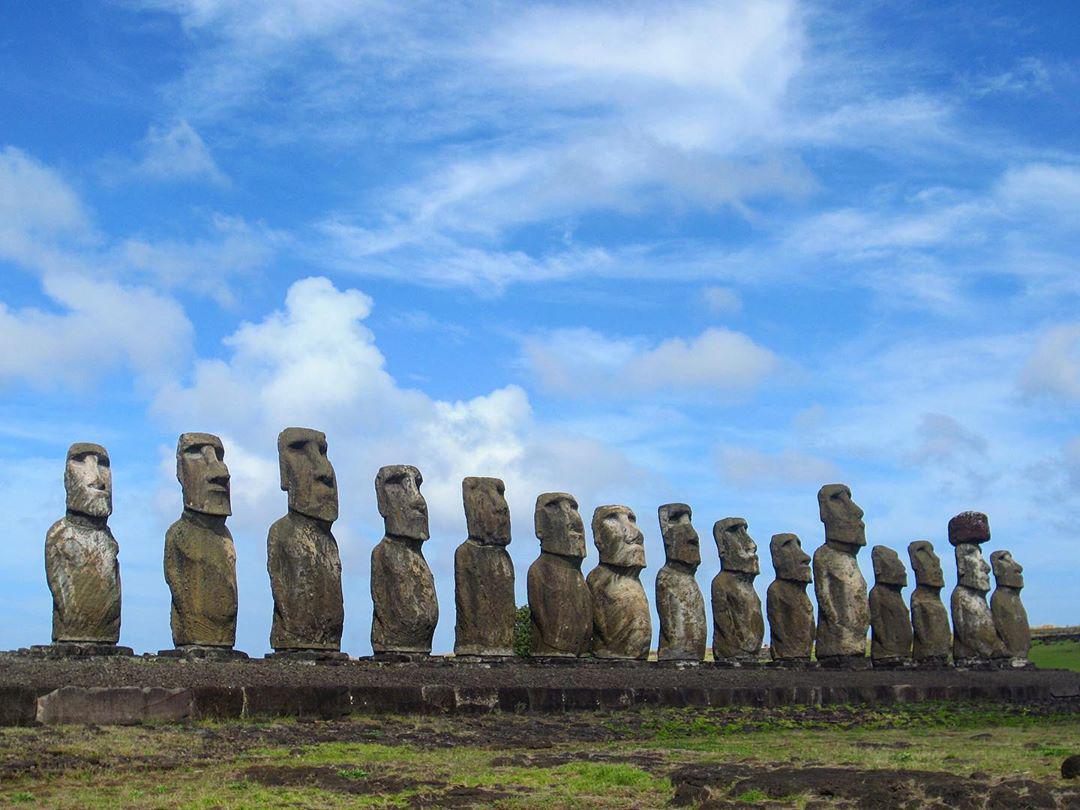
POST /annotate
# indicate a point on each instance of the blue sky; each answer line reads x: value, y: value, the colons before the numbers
x: 713, y: 252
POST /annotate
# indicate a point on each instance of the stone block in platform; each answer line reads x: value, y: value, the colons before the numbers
x: 308, y: 656
x: 114, y: 705
x: 199, y: 653
x: 74, y: 649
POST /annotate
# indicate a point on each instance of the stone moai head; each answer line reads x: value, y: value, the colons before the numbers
x: 617, y: 536
x: 307, y: 474
x: 737, y: 549
x: 788, y: 558
x: 201, y: 470
x: 888, y: 570
x: 971, y: 569
x: 842, y: 517
x: 559, y: 526
x: 925, y: 564
x: 403, y: 508
x: 681, y: 543
x: 969, y: 527
x: 1007, y: 571
x: 486, y: 512
x: 88, y: 480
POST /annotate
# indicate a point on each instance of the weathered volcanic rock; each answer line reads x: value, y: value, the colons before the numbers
x: 974, y: 635
x: 738, y: 626
x: 843, y: 607
x: 1010, y: 617
x: 790, y: 611
x: 932, y: 637
x: 683, y: 624
x: 890, y: 621
x: 622, y: 626
x: 559, y: 600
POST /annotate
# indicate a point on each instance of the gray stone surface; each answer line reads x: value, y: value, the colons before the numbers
x: 1010, y: 617
x: 975, y: 638
x: 484, y: 573
x: 559, y: 599
x: 890, y: 621
x: 301, y: 552
x: 118, y: 705
x: 843, y: 606
x: 738, y: 626
x: 684, y: 627
x: 790, y: 611
x: 81, y: 563
x: 622, y: 625
x: 931, y: 634
x: 405, y: 606
x: 200, y: 559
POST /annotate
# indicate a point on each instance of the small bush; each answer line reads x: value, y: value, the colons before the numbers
x: 523, y: 632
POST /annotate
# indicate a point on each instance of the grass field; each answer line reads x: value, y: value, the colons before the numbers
x: 832, y: 757
x: 1056, y: 655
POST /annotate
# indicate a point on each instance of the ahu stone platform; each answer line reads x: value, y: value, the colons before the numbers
x: 147, y: 689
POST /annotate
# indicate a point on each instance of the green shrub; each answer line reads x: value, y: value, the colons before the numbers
x: 523, y: 632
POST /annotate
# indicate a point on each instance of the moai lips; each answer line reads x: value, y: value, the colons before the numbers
x: 679, y: 603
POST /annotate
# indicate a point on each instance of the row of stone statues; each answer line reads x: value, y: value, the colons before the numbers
x: 605, y: 615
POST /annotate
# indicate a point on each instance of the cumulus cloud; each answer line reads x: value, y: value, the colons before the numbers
x: 584, y: 363
x: 1053, y: 367
x: 176, y: 152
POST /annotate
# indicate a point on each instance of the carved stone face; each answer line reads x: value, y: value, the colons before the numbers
x: 403, y: 508
x: 1007, y: 571
x: 737, y: 549
x: 926, y: 564
x: 201, y: 470
x: 842, y: 517
x: 307, y: 474
x: 788, y: 558
x: 486, y: 512
x: 681, y: 543
x: 888, y: 570
x: 617, y: 537
x: 971, y: 569
x: 559, y: 526
x: 88, y: 480
x: 969, y: 527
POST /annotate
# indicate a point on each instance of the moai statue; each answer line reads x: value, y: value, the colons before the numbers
x: 622, y: 625
x: 81, y: 560
x: 484, y: 573
x: 890, y: 621
x: 790, y: 611
x: 738, y: 627
x: 843, y: 610
x: 975, y: 641
x: 684, y: 628
x: 200, y: 559
x: 1010, y: 618
x: 405, y: 607
x: 302, y: 554
x: 559, y: 600
x: 929, y: 619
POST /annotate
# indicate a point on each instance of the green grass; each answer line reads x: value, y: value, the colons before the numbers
x: 1056, y: 655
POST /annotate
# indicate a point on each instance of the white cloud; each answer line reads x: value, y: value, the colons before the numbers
x: 176, y: 152
x: 747, y: 467
x: 722, y: 300
x: 584, y: 363
x: 1053, y: 367
x: 35, y: 199
x: 100, y: 327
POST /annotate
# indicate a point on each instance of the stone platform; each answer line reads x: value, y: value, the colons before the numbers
x: 147, y: 689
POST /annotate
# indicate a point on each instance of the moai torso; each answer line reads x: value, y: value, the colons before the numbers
x: 560, y: 604
x: 843, y: 608
x: 81, y: 562
x: 790, y: 611
x: 405, y: 607
x: 679, y: 603
x: 738, y: 626
x: 890, y: 621
x: 301, y: 552
x: 484, y: 573
x: 974, y: 635
x: 932, y: 637
x: 1010, y: 617
x: 200, y: 559
x: 622, y: 626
